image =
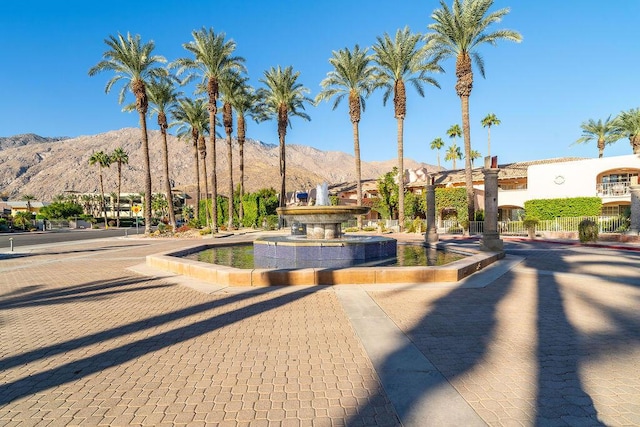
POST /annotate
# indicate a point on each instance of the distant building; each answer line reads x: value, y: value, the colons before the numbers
x: 608, y: 178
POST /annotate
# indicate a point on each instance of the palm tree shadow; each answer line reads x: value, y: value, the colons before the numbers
x: 454, y: 336
x: 79, y: 368
x: 560, y: 393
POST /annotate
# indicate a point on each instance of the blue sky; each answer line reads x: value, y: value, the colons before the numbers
x: 578, y: 60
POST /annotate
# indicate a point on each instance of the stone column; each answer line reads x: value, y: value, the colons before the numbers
x: 431, y: 236
x: 635, y: 209
x: 490, y: 237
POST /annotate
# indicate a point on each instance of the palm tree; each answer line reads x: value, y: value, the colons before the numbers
x: 28, y: 198
x: 475, y: 154
x: 454, y: 132
x: 453, y: 153
x: 163, y: 96
x: 628, y: 124
x: 192, y: 117
x: 231, y: 86
x: 282, y: 98
x: 246, y: 105
x: 119, y: 157
x: 133, y: 62
x: 437, y: 144
x: 458, y: 32
x: 490, y: 120
x: 352, y: 76
x: 213, y: 59
x: 398, y: 61
x: 604, y: 133
x: 103, y: 161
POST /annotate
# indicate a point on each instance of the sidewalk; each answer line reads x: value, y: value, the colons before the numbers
x: 549, y: 336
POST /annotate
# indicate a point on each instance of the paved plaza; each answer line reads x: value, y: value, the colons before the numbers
x: 548, y: 336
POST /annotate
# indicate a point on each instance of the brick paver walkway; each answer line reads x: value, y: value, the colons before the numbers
x: 86, y: 341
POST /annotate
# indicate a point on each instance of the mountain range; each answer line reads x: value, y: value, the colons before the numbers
x: 48, y: 166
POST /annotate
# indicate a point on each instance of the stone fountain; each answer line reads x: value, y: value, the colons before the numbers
x: 324, y: 244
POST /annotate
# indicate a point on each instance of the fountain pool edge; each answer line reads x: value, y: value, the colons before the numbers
x: 259, y: 277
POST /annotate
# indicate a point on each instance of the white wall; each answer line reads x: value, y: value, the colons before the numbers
x: 572, y: 179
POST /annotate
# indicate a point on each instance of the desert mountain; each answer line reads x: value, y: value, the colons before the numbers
x: 46, y: 167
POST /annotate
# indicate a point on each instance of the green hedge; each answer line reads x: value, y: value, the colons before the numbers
x: 568, y: 207
x: 453, y: 198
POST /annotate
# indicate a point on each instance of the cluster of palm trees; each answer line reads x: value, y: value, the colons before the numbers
x: 625, y: 125
x: 103, y: 160
x: 454, y: 152
x: 407, y: 58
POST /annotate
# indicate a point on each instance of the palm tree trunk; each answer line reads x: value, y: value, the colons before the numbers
x: 230, y: 188
x: 197, y: 162
x: 401, y: 174
x: 203, y: 156
x: 489, y: 140
x: 119, y: 191
x: 283, y: 119
x: 102, y: 202
x: 147, y: 173
x: 241, y: 138
x: 356, y: 151
x: 167, y: 183
x: 283, y: 169
x: 467, y: 156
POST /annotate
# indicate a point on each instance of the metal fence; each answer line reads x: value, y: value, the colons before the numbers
x: 606, y: 224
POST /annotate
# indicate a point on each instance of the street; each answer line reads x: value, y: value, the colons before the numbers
x: 21, y: 239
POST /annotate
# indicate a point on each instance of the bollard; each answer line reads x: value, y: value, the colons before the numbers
x: 11, y: 243
x: 125, y: 233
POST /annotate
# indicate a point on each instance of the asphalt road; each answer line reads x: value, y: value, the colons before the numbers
x: 21, y: 239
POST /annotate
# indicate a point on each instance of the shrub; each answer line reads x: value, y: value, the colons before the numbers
x: 530, y: 223
x: 588, y: 231
x: 205, y: 230
x: 568, y: 207
x: 369, y: 228
x: 183, y: 228
x: 162, y: 227
x: 350, y: 230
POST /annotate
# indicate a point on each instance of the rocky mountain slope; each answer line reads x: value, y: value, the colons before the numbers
x: 46, y: 167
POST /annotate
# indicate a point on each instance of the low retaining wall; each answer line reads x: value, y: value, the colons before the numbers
x: 230, y: 276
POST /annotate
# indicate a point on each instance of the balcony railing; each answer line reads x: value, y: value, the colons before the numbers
x: 612, y: 189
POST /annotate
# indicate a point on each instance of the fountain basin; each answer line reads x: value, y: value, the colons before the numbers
x: 229, y: 276
x: 322, y: 222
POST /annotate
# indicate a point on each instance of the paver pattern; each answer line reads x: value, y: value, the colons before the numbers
x: 538, y: 346
x: 85, y: 341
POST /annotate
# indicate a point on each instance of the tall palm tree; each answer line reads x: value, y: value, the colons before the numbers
x: 453, y: 153
x: 458, y: 32
x: 231, y: 86
x: 163, y: 96
x: 133, y: 61
x: 283, y: 98
x: 192, y: 117
x: 628, y: 124
x: 103, y: 161
x: 604, y: 133
x: 353, y: 77
x: 119, y: 157
x: 401, y: 60
x: 490, y: 120
x: 245, y: 102
x: 437, y: 144
x: 213, y: 57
